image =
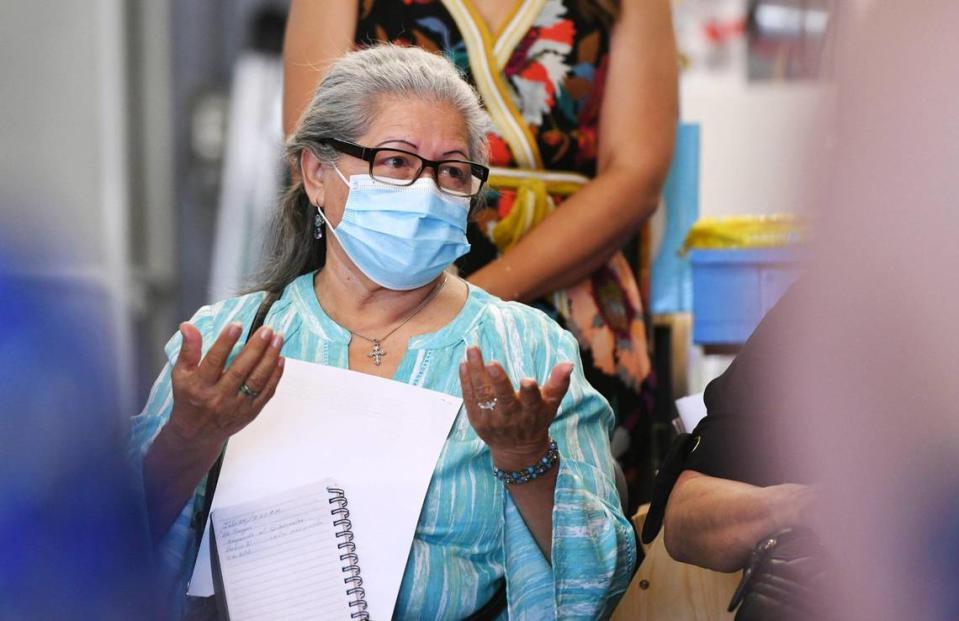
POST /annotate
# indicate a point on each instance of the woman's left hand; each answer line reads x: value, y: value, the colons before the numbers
x: 514, y: 424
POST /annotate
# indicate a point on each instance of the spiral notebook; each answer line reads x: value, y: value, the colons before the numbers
x: 288, y: 556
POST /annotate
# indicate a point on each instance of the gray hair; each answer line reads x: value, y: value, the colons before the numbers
x: 344, y: 105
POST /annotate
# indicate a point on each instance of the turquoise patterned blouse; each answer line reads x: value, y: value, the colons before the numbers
x: 470, y: 534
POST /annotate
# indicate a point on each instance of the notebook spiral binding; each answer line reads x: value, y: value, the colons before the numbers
x: 353, y: 579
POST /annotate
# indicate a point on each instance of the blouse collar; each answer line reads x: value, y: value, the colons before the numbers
x: 320, y: 323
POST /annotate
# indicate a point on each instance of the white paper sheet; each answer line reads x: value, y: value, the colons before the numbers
x: 379, y: 438
x: 692, y: 409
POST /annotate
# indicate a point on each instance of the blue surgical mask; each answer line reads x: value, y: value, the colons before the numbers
x: 401, y: 237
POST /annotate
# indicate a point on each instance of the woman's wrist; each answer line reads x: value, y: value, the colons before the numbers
x: 531, y: 472
x: 791, y: 505
x: 519, y: 457
x: 189, y: 441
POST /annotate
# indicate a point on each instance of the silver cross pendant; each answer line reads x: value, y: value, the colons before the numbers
x: 376, y: 353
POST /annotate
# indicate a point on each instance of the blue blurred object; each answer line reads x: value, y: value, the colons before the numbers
x: 671, y: 278
x: 733, y: 289
x: 72, y: 531
x: 942, y: 546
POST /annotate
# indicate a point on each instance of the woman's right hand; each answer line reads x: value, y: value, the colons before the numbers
x: 211, y: 401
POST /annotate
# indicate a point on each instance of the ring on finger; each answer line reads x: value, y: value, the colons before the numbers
x: 488, y: 404
x: 246, y: 391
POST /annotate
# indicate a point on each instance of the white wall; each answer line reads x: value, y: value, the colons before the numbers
x: 63, y: 160
x: 758, y: 143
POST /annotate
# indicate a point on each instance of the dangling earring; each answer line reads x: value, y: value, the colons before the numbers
x: 318, y: 223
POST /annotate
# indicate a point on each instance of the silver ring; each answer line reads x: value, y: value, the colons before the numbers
x: 489, y: 404
x: 249, y: 392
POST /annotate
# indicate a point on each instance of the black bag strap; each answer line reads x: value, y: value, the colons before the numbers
x: 790, y: 576
x: 492, y: 609
x: 673, y: 466
x: 200, y: 518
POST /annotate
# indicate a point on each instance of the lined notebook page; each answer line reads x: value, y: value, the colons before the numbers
x: 279, y: 557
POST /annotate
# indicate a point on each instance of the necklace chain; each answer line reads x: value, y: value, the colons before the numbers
x: 376, y: 353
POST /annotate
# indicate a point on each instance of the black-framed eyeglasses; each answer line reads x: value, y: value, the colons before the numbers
x: 398, y: 167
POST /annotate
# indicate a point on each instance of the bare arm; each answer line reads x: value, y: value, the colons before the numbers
x: 171, y: 471
x: 636, y: 134
x: 715, y: 523
x: 317, y: 33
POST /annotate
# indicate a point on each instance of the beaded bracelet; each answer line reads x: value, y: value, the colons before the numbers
x: 532, y: 472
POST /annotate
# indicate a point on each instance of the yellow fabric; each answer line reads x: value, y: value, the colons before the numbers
x: 532, y: 204
x: 554, y: 188
x: 521, y: 18
x: 746, y: 232
x: 534, y: 201
x: 489, y: 82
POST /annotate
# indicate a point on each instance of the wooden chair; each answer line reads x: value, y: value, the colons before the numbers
x: 666, y: 590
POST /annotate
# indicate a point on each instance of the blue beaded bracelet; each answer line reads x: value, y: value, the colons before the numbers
x: 532, y: 472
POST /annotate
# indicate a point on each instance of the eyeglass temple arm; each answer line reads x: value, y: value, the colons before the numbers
x: 349, y: 148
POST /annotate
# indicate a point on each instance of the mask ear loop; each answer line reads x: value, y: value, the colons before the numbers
x: 320, y: 218
x: 340, y: 175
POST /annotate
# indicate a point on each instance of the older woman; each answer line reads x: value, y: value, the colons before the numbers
x: 390, y: 155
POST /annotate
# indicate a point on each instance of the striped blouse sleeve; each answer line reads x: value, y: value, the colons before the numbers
x: 176, y: 550
x: 593, y: 545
